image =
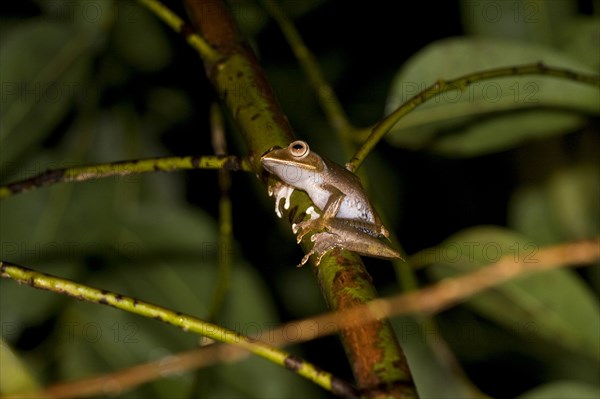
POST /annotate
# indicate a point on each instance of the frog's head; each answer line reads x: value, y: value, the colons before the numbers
x: 296, y: 164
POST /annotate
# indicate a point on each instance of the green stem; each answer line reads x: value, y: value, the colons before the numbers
x: 185, y: 322
x: 330, y: 104
x: 205, y: 50
x: 225, y: 216
x: 461, y: 83
x: 123, y: 168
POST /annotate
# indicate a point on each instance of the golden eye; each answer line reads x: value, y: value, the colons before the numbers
x: 299, y: 149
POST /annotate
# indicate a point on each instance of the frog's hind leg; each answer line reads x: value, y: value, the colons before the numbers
x: 310, y: 211
x: 333, y: 203
x: 319, y: 223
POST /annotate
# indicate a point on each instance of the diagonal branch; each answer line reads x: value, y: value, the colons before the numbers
x: 450, y: 291
x: 82, y: 292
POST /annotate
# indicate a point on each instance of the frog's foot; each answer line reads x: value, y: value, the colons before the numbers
x: 385, y: 233
x: 324, y: 242
x: 314, y: 223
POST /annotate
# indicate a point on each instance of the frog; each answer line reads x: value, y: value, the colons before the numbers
x: 347, y: 219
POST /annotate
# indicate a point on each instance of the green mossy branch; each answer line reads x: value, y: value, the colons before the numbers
x: 242, y: 85
x: 123, y: 168
x: 185, y: 322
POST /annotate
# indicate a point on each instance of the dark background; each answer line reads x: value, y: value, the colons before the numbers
x: 360, y: 45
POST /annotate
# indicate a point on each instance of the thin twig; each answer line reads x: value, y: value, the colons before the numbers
x: 225, y: 216
x: 123, y: 168
x: 329, y: 102
x: 461, y: 83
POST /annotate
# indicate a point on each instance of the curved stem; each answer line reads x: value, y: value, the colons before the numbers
x: 461, y: 83
x: 329, y: 102
x: 123, y: 168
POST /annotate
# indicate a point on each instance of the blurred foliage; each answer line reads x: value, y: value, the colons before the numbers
x: 506, y: 169
x: 529, y: 305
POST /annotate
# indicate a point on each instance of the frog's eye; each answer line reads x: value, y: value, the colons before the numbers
x: 299, y: 149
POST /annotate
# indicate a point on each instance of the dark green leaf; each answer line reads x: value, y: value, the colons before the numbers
x: 580, y: 38
x: 15, y: 376
x: 565, y: 207
x: 27, y: 239
x: 482, y: 118
x: 526, y: 21
x: 44, y: 67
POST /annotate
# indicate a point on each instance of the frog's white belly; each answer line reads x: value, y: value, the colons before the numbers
x: 351, y: 208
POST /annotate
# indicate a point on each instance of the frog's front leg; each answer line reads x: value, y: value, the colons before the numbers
x: 280, y: 190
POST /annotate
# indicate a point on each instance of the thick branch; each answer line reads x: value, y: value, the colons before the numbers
x: 375, y: 355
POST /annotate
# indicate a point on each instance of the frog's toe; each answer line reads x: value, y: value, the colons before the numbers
x: 301, y: 234
x: 302, y: 229
x: 318, y: 258
x: 305, y: 259
x: 385, y: 233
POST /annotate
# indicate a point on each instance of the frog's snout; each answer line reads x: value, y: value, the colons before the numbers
x: 275, y: 147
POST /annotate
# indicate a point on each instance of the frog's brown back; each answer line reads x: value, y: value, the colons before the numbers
x: 356, y: 197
